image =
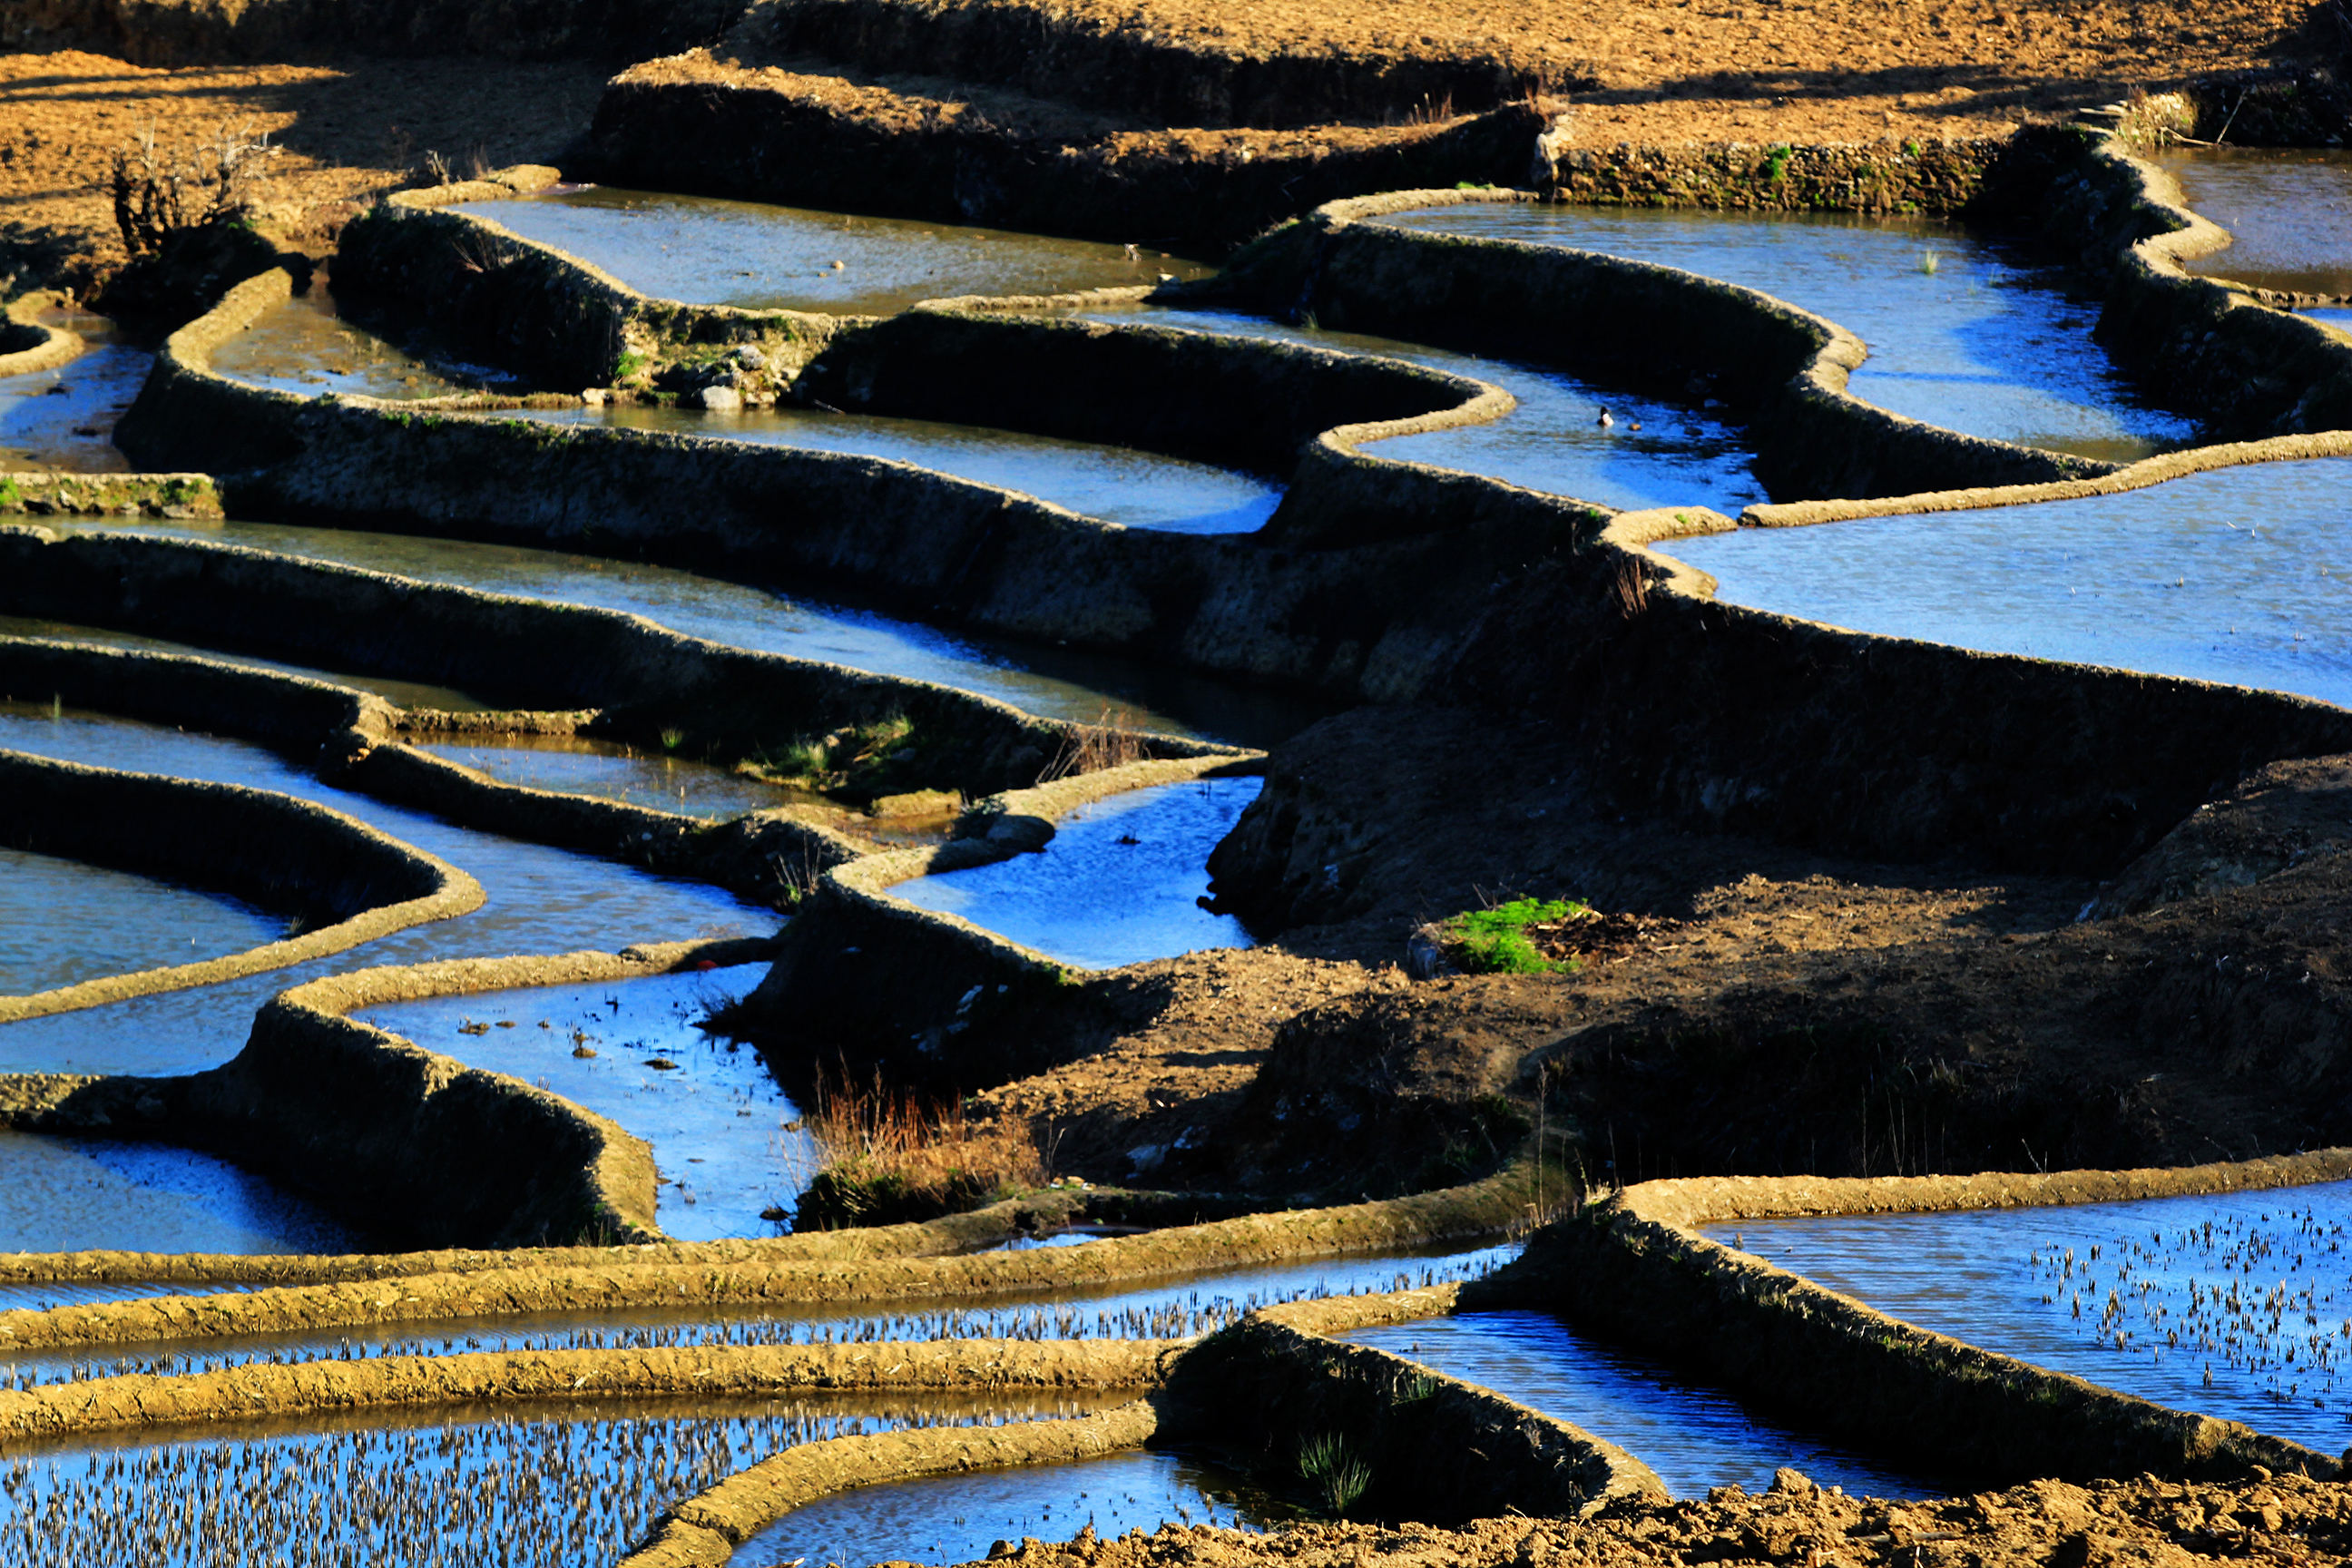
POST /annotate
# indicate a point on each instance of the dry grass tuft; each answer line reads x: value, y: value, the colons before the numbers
x: 1112, y: 741
x: 890, y: 1156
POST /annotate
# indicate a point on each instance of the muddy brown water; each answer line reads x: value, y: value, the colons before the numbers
x: 716, y: 252
x: 62, y: 420
x: 2237, y: 1305
x: 2288, y: 211
x: 2240, y: 575
x: 1056, y: 683
x: 1966, y: 330
x: 304, y: 346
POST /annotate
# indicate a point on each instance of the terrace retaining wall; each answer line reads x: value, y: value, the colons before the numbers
x: 1634, y: 1268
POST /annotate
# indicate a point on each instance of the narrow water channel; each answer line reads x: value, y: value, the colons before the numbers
x: 715, y: 252
x: 2237, y: 1305
x: 1120, y: 881
x: 1966, y: 329
x: 62, y: 420
x: 1694, y: 1435
x: 2240, y: 576
x: 304, y: 346
x: 405, y: 693
x: 1057, y: 683
x: 727, y: 1142
x: 1652, y: 454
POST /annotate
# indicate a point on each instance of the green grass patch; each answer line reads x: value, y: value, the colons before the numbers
x: 1494, y: 941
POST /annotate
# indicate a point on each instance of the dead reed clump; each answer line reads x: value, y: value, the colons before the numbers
x: 1112, y: 741
x: 891, y: 1157
x: 155, y: 197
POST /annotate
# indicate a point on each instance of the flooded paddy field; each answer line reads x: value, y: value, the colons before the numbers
x: 1180, y: 1306
x: 956, y: 1518
x: 1055, y: 683
x: 715, y: 252
x: 1124, y: 485
x: 1119, y: 882
x: 66, y: 1195
x: 65, y: 922
x: 2237, y: 1305
x: 62, y: 420
x: 1965, y: 330
x: 303, y: 345
x: 2288, y: 211
x: 1650, y: 453
x: 1693, y: 1436
x: 2240, y: 576
x: 541, y: 901
x: 727, y: 1142
x: 574, y: 1482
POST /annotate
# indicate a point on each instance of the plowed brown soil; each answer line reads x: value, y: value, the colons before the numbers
x: 350, y: 129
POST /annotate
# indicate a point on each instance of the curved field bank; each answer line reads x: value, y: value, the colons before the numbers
x: 109, y: 495
x: 355, y: 738
x: 269, y: 848
x: 1634, y: 322
x: 28, y: 343
x: 763, y: 132
x: 706, y: 1529
x: 1350, y: 623
x: 146, y: 1403
x: 644, y: 679
x: 514, y: 1284
x: 1440, y: 1449
x: 190, y: 32
x: 859, y: 972
x: 1635, y: 1268
x: 538, y: 310
x: 2248, y: 368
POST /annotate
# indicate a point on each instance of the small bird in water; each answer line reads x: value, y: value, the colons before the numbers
x: 1605, y: 421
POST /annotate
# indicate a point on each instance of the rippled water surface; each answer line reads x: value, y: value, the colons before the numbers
x: 2238, y: 1305
x: 707, y: 1105
x: 1654, y: 454
x: 69, y: 1195
x: 1693, y: 1436
x: 1059, y: 683
x: 718, y: 252
x: 573, y: 1483
x: 2288, y: 211
x: 1964, y: 330
x: 541, y: 901
x: 1117, y: 884
x: 1114, y: 484
x: 63, y: 921
x: 956, y: 1518
x: 2241, y: 575
x: 62, y: 420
